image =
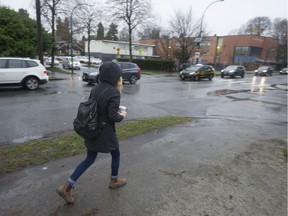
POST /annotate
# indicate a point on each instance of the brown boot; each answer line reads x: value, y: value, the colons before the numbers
x: 117, y: 182
x: 64, y: 192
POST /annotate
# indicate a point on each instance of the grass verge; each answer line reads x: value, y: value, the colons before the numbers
x: 37, y: 152
x: 58, y: 70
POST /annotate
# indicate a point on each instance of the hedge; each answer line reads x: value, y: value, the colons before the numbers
x: 150, y: 64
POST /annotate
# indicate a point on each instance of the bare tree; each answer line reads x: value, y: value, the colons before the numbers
x: 279, y: 31
x: 184, y: 29
x: 89, y: 22
x: 49, y: 10
x: 150, y: 32
x: 123, y: 34
x: 258, y: 26
x: 131, y: 12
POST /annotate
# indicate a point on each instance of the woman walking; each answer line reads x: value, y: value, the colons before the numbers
x: 107, y: 93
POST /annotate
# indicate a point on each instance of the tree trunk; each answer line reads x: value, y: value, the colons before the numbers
x: 130, y: 43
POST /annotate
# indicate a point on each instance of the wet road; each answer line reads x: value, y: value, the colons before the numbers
x: 27, y: 115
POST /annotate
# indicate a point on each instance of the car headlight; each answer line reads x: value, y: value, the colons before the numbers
x: 265, y: 71
x: 181, y: 72
x: 222, y: 70
x: 231, y: 71
x: 191, y: 73
x: 256, y: 71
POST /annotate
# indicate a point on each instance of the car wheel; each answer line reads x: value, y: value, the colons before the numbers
x: 242, y: 75
x: 32, y: 83
x: 133, y: 79
x: 222, y: 76
x: 197, y: 78
x: 210, y: 77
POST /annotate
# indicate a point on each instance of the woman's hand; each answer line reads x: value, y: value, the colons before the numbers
x: 123, y: 113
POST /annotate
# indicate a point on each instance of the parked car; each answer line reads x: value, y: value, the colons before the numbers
x: 284, y: 71
x: 67, y: 63
x: 48, y: 61
x: 130, y: 72
x: 96, y: 61
x: 83, y: 59
x: 264, y: 71
x: 197, y: 72
x: 233, y: 71
x: 29, y: 73
x: 91, y: 77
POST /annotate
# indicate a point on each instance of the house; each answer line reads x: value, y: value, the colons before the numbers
x: 63, y: 49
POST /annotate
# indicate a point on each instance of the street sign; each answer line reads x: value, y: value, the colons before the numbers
x: 197, y: 40
x: 197, y: 54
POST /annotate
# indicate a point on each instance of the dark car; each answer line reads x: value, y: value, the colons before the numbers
x: 284, y: 71
x: 264, y: 71
x: 91, y: 76
x: 130, y: 72
x: 197, y: 72
x: 233, y: 71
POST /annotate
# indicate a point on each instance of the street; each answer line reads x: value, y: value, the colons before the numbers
x: 51, y: 109
x: 228, y: 161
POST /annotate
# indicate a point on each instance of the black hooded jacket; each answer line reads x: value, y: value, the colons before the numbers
x: 108, y: 106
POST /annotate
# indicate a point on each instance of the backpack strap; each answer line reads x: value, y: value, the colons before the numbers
x: 93, y: 93
x: 97, y: 99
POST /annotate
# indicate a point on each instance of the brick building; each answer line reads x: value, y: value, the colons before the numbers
x: 248, y: 50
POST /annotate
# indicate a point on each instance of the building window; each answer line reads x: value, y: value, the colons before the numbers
x: 205, y: 43
x: 241, y: 51
x: 247, y: 54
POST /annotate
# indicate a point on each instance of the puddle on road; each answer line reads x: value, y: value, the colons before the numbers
x: 227, y: 91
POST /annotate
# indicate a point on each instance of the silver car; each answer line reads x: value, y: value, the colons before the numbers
x: 67, y: 63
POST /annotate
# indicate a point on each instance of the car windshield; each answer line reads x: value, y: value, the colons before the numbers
x: 193, y: 68
x: 231, y: 67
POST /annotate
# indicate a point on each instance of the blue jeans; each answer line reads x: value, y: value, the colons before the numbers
x: 90, y: 159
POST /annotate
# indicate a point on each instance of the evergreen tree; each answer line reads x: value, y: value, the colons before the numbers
x: 100, y: 32
x: 112, y: 33
x: 18, y: 34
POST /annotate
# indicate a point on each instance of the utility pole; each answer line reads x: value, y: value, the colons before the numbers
x: 198, y: 40
x: 39, y: 33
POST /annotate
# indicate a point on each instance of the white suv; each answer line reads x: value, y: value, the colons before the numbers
x: 29, y: 73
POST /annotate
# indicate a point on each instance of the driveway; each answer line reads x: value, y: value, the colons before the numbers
x: 228, y: 161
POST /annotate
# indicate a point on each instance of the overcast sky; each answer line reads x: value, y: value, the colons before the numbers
x: 220, y: 18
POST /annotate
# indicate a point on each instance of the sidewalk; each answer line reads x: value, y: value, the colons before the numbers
x: 174, y: 171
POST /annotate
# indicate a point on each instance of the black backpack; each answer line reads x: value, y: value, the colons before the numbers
x: 87, y: 124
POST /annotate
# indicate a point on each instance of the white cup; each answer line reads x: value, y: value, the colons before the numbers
x: 122, y: 108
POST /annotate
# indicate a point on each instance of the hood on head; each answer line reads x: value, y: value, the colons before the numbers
x: 110, y: 72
